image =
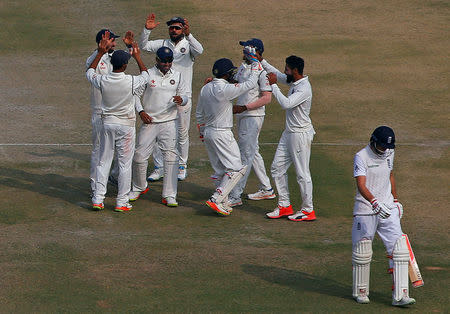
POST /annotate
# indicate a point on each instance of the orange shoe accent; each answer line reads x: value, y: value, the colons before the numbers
x: 311, y: 216
x: 122, y: 208
x: 145, y: 191
x: 214, y: 207
x: 98, y: 206
x: 283, y: 211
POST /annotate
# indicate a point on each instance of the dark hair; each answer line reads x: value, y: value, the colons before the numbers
x: 295, y: 62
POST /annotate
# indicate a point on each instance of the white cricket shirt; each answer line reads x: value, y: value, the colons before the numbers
x: 214, y: 106
x: 104, y: 67
x: 377, y: 170
x: 158, y: 96
x: 298, y: 102
x: 252, y: 95
x: 117, y: 90
x: 184, y: 53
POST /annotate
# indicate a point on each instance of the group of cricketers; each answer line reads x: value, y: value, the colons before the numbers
x: 162, y: 98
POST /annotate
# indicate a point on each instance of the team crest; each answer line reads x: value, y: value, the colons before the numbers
x: 172, y: 82
x: 183, y: 50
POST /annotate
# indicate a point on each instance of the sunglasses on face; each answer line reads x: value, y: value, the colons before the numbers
x: 175, y: 27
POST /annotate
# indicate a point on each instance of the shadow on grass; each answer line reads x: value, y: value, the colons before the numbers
x: 305, y: 282
x: 70, y: 189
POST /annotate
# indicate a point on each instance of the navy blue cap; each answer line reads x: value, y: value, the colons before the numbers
x: 222, y: 67
x: 384, y: 136
x: 175, y: 19
x: 255, y: 42
x: 102, y: 32
x: 165, y: 54
x: 119, y: 58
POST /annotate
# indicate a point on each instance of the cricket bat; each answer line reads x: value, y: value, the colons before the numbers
x: 413, y: 268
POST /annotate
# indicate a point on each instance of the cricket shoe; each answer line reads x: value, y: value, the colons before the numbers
x: 169, y: 201
x: 123, y: 208
x: 182, y: 173
x: 362, y: 299
x: 156, y: 175
x: 303, y: 215
x: 233, y: 202
x: 280, y: 211
x: 98, y: 206
x: 134, y: 195
x: 220, y: 208
x: 262, y: 195
x: 405, y: 301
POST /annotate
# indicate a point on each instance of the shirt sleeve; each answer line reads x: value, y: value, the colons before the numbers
x: 293, y: 100
x: 94, y: 78
x: 182, y: 90
x: 195, y: 46
x: 359, y: 167
x: 199, y: 110
x: 263, y: 82
x: 137, y: 104
x: 139, y: 83
x: 149, y: 45
x: 271, y: 69
x: 90, y: 59
x: 231, y: 91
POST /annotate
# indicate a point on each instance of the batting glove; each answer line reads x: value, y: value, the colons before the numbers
x: 201, y: 131
x: 380, y: 209
x: 400, y: 208
x: 250, y: 54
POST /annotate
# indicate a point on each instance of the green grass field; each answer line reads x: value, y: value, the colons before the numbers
x: 370, y: 63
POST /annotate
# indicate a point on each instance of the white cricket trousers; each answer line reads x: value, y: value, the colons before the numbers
x: 184, y: 122
x: 389, y: 230
x: 294, y: 148
x: 223, y: 150
x: 97, y: 126
x: 163, y: 134
x: 248, y: 132
x: 120, y: 140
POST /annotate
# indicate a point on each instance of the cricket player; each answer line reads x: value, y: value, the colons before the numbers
x: 249, y: 112
x: 185, y: 49
x: 215, y: 119
x: 295, y: 142
x: 377, y: 209
x: 118, y: 115
x: 165, y: 91
x: 104, y: 67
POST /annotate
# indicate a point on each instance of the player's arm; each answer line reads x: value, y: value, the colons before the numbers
x: 363, y: 190
x: 90, y: 59
x: 103, y: 47
x: 182, y: 91
x: 231, y: 91
x: 281, y: 77
x: 393, y: 187
x: 265, y: 98
x: 199, y: 114
x: 291, y: 101
x: 144, y: 43
x: 195, y: 46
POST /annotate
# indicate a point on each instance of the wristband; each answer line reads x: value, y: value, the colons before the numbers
x: 141, y: 111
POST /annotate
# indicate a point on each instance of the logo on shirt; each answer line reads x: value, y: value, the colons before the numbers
x: 172, y: 82
x: 356, y: 168
x: 152, y: 83
x: 183, y: 50
x: 389, y: 162
x: 373, y: 166
x: 358, y: 226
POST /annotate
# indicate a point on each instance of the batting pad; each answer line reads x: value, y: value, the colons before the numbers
x: 230, y: 179
x: 361, y: 257
x: 400, y: 256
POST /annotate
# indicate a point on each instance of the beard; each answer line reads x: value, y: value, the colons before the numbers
x: 289, y: 78
x: 176, y: 38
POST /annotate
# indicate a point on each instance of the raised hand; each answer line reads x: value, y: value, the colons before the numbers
x: 150, y: 23
x: 272, y: 78
x: 105, y: 43
x: 135, y: 51
x: 186, y: 28
x: 128, y: 39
